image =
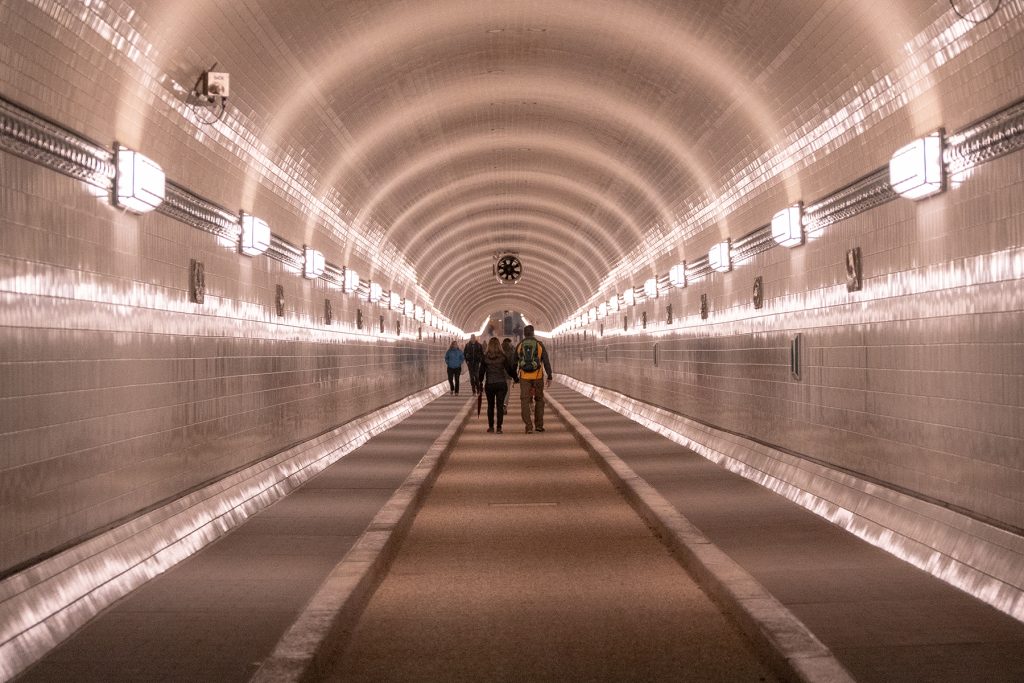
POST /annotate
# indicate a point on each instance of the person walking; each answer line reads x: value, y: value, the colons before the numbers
x: 494, y: 371
x: 510, y: 351
x: 533, y: 362
x: 453, y: 358
x: 474, y: 353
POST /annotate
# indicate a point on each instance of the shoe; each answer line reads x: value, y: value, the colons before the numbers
x: 529, y: 430
x: 499, y: 430
x: 540, y: 429
x: 490, y: 429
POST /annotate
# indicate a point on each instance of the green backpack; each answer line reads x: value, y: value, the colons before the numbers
x: 529, y: 355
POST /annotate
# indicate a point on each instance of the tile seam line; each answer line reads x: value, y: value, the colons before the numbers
x: 769, y: 624
x: 304, y: 652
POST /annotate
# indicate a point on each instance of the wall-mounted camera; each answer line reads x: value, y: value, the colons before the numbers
x: 209, y: 95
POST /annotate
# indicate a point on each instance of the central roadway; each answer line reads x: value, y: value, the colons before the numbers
x: 525, y: 563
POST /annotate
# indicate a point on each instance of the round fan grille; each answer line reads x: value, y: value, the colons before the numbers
x: 508, y: 269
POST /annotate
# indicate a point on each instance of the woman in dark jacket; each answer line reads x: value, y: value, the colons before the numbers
x: 492, y: 375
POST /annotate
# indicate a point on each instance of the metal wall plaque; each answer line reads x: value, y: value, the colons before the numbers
x: 704, y: 306
x: 758, y: 292
x: 328, y: 312
x: 853, y: 272
x: 279, y: 300
x: 794, y: 356
x: 359, y: 318
x: 668, y: 314
x: 197, y: 282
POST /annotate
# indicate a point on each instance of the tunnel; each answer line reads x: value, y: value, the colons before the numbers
x: 760, y: 266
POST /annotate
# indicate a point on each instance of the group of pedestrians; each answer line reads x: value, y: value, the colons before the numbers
x: 493, y: 371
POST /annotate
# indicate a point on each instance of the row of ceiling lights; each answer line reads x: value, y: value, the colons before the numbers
x: 140, y: 187
x: 916, y: 171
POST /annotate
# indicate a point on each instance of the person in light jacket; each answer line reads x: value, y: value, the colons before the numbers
x: 453, y: 358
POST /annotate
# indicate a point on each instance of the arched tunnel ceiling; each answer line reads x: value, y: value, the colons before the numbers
x: 563, y: 131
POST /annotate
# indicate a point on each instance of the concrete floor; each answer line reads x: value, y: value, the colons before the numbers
x: 525, y: 563
x: 218, y: 614
x: 883, y: 619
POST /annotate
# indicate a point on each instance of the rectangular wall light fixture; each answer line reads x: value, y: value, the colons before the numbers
x: 140, y: 184
x: 787, y: 226
x: 916, y: 170
x: 351, y: 280
x: 394, y: 301
x: 409, y: 308
x: 376, y: 292
x: 677, y: 275
x: 720, y: 258
x: 602, y: 310
x: 255, y: 238
x: 613, y: 303
x: 314, y: 267
x: 651, y: 288
x: 419, y: 313
x: 628, y: 296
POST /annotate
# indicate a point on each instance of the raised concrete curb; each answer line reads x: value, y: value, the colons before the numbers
x: 307, y: 649
x: 794, y: 652
x: 46, y: 603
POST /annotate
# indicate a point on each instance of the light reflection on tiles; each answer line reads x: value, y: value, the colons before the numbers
x: 47, y: 603
x: 977, y: 558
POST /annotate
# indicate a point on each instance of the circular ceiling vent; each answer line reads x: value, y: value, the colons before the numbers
x: 508, y: 269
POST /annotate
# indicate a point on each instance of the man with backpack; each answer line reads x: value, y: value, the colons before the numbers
x: 533, y: 362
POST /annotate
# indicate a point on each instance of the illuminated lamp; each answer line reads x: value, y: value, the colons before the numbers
x: 651, y: 288
x: 394, y: 301
x: 419, y: 313
x: 255, y: 237
x: 314, y: 264
x: 409, y: 309
x: 719, y: 257
x: 787, y: 226
x: 613, y: 303
x: 592, y: 314
x: 140, y: 184
x: 916, y: 170
x: 628, y: 296
x: 583, y: 321
x: 351, y: 280
x: 677, y: 275
x: 376, y: 292
x: 602, y: 310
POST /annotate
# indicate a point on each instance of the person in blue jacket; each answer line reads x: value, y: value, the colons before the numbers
x: 453, y: 358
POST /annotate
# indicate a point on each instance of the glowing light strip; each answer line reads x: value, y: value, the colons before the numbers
x: 48, y: 602
x: 928, y: 536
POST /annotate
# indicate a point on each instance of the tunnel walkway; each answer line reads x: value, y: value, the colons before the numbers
x: 524, y: 563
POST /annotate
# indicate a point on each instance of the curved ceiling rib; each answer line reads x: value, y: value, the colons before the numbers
x: 570, y: 131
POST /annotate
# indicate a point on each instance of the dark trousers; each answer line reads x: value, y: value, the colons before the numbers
x: 525, y: 398
x: 495, y: 395
x: 474, y: 376
x: 453, y: 378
